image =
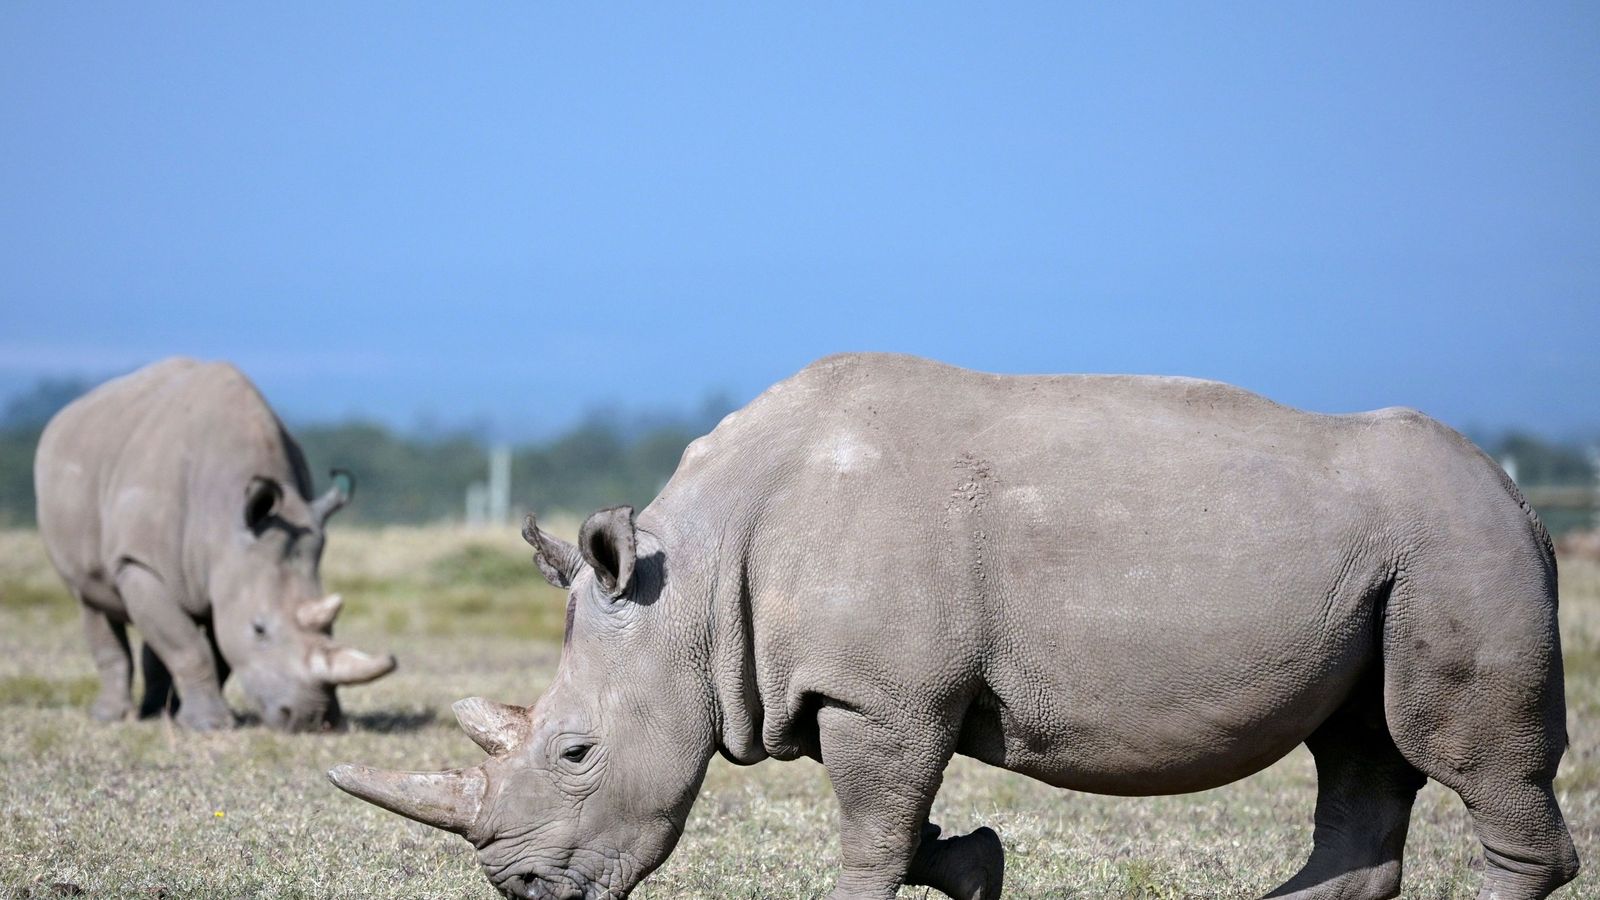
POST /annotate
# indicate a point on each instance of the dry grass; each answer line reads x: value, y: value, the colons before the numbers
x: 143, y: 810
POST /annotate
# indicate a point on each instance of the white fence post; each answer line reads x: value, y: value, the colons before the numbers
x: 477, y: 504
x: 1594, y: 470
x: 499, y: 499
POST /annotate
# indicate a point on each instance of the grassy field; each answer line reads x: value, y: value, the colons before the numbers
x: 144, y: 810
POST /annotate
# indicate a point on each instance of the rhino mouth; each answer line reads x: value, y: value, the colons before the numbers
x: 568, y: 884
x: 563, y: 887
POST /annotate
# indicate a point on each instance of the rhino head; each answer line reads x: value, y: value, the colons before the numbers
x: 587, y: 791
x: 273, y: 623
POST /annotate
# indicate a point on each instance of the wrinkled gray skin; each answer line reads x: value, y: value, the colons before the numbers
x: 172, y: 499
x: 1123, y: 585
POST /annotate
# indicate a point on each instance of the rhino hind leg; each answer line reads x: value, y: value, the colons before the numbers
x: 1365, y: 790
x: 108, y: 645
x: 160, y: 696
x: 967, y: 867
x: 1474, y: 699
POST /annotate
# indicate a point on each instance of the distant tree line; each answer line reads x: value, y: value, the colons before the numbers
x: 599, y: 462
x: 605, y: 459
x: 608, y: 458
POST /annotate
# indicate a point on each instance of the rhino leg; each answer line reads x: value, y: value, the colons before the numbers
x: 1365, y: 790
x: 1474, y: 698
x: 182, y: 645
x: 966, y: 867
x: 885, y: 778
x: 108, y: 644
x: 160, y: 698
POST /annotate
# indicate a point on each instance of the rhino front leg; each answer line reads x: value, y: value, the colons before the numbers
x: 885, y: 777
x: 108, y: 644
x: 160, y: 697
x: 182, y: 645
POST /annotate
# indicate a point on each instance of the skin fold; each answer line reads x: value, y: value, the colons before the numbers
x: 1126, y: 585
x: 173, y: 500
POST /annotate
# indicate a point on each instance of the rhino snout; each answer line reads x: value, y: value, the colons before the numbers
x: 533, y: 887
x: 284, y: 717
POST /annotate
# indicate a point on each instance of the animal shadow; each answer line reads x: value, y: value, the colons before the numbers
x: 391, y: 721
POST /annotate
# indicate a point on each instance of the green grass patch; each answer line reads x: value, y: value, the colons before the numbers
x: 31, y: 690
x: 1146, y: 880
x: 1582, y: 659
x: 534, y: 614
x: 396, y: 621
x: 484, y: 565
x: 20, y: 595
x: 365, y: 595
x: 1579, y: 773
x: 44, y: 741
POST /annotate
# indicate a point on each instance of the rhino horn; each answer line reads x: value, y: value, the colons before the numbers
x: 319, y: 614
x: 347, y: 665
x: 450, y: 800
x: 496, y: 727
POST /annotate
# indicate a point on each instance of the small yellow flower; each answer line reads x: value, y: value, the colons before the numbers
x: 219, y: 814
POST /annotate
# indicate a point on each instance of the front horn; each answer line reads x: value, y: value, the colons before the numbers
x: 450, y: 800
x: 347, y: 665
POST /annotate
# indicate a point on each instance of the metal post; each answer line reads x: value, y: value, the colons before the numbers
x: 477, y: 503
x: 499, y: 500
x: 1594, y: 471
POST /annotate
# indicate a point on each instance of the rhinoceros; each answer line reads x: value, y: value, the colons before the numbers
x: 1116, y: 584
x: 174, y: 500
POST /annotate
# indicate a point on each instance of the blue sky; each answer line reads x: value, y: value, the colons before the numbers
x: 519, y: 212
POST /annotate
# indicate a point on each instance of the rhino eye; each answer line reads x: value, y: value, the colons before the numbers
x: 259, y: 627
x: 576, y: 753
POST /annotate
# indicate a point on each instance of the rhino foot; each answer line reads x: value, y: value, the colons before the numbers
x: 968, y: 867
x: 204, y: 717
x: 111, y: 708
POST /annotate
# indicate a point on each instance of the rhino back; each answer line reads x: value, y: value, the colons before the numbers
x: 1130, y: 567
x: 151, y: 467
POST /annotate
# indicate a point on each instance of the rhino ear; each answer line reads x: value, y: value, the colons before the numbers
x: 261, y: 497
x: 557, y: 560
x: 609, y: 545
x: 344, y: 486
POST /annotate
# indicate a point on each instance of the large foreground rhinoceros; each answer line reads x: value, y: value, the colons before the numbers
x: 1123, y: 585
x: 173, y: 499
